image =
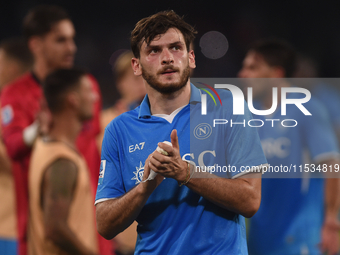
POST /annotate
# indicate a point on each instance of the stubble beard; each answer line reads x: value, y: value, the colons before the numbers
x: 170, y: 88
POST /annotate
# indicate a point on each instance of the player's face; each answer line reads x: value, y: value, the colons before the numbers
x: 254, y: 66
x: 165, y: 63
x: 58, y: 47
x: 10, y: 69
x: 88, y: 98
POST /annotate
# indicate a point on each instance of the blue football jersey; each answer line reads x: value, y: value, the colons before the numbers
x: 330, y: 98
x: 176, y: 220
x: 290, y: 217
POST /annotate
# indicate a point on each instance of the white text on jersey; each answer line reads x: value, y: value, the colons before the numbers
x: 138, y: 146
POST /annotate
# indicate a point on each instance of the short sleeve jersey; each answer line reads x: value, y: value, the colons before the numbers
x: 176, y: 220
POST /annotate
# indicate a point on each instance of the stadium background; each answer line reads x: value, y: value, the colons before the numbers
x: 103, y: 28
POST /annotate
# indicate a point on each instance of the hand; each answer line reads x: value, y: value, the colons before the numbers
x: 150, y: 185
x: 172, y: 165
x: 330, y: 236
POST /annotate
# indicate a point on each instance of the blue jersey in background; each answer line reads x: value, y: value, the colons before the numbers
x: 290, y: 217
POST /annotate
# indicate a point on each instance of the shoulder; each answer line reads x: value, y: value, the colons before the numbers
x: 325, y: 90
x: 125, y: 118
x: 221, y: 102
x: 49, y: 151
x: 121, y: 123
x: 314, y: 105
x: 219, y: 95
x: 226, y: 95
x: 63, y: 165
x: 19, y: 86
x: 55, y: 173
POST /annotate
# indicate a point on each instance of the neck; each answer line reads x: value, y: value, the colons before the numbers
x: 41, y: 69
x: 166, y: 104
x: 268, y: 97
x: 65, y: 128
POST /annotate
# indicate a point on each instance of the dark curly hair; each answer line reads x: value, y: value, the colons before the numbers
x: 277, y: 53
x: 148, y: 28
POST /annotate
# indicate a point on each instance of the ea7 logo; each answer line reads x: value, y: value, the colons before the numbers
x: 238, y: 100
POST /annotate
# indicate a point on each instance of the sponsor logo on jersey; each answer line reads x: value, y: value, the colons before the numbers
x: 7, y: 114
x: 102, y: 172
x: 138, y: 175
x: 202, y: 131
x: 279, y: 147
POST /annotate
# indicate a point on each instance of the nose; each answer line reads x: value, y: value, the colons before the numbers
x: 94, y: 96
x: 72, y: 46
x: 167, y: 57
x: 242, y: 74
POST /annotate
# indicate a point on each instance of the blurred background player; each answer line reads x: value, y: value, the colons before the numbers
x: 297, y: 215
x: 132, y: 91
x: 61, y: 214
x: 129, y: 86
x: 50, y: 33
x: 326, y: 93
x: 15, y: 59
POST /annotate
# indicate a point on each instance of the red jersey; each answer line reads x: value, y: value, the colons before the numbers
x: 20, y: 102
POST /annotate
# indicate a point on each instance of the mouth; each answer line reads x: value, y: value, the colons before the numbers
x: 168, y: 72
x: 69, y: 58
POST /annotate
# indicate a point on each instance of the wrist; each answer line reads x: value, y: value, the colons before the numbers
x: 331, y: 222
x: 146, y: 188
x: 30, y: 133
x: 184, y: 172
x: 331, y: 215
x: 188, y: 175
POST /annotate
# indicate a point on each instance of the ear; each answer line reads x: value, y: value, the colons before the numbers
x: 136, y: 66
x: 73, y: 99
x: 35, y: 44
x: 192, y: 63
x: 278, y: 72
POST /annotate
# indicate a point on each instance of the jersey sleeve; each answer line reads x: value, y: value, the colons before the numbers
x: 318, y: 133
x: 244, y: 150
x: 110, y: 184
x: 14, y: 120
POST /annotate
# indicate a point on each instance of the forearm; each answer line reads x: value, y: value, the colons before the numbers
x: 63, y: 237
x: 330, y: 229
x: 332, y: 197
x: 242, y: 195
x: 332, y: 190
x: 113, y: 216
x: 5, y: 163
x: 15, y: 145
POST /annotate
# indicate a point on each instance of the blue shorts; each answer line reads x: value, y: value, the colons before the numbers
x: 8, y: 246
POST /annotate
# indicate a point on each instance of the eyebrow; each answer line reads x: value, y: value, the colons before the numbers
x: 158, y: 46
x: 176, y: 43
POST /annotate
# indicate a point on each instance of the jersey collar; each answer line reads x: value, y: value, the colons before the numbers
x: 145, y: 111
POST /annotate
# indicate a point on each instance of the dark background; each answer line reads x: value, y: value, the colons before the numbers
x: 103, y: 27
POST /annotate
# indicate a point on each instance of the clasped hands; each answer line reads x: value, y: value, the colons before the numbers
x: 170, y: 166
